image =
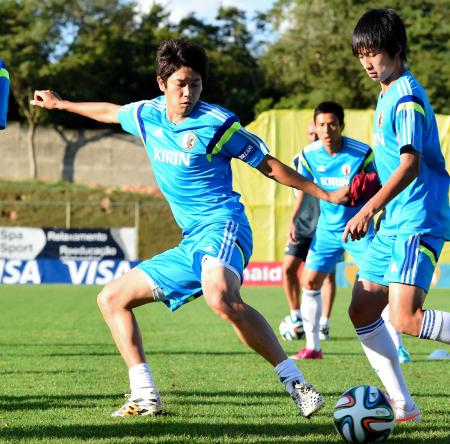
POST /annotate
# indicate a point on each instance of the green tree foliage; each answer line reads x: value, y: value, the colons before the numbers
x: 312, y: 59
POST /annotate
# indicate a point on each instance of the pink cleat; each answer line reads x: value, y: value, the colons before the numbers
x: 306, y: 353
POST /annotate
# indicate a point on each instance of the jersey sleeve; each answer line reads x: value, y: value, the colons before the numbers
x: 409, y: 120
x: 304, y: 167
x: 4, y: 95
x: 368, y: 165
x: 233, y: 140
x: 130, y: 119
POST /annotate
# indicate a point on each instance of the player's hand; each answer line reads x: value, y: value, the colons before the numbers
x: 340, y: 196
x: 46, y: 99
x: 358, y: 226
x: 292, y: 238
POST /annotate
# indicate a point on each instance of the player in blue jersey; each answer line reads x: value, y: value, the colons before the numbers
x: 301, y: 230
x: 332, y: 162
x: 4, y: 94
x: 190, y: 144
x: 400, y: 261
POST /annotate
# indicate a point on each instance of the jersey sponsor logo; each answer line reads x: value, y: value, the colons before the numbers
x: 248, y: 150
x: 346, y: 169
x: 175, y: 158
x: 335, y: 181
x: 189, y: 140
x: 321, y: 169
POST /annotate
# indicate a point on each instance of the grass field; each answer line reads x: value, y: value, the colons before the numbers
x: 61, y: 377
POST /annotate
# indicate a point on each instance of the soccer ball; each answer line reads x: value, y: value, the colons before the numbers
x: 364, y: 414
x: 291, y: 329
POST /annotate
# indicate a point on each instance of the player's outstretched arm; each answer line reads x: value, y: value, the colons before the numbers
x: 276, y: 170
x: 100, y: 111
x: 406, y: 172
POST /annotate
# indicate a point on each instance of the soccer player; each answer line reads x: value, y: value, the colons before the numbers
x: 400, y: 261
x: 332, y: 162
x: 301, y: 230
x: 190, y: 144
x: 4, y: 94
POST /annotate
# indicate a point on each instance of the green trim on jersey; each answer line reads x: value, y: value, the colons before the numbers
x: 429, y: 253
x: 368, y: 160
x: 4, y: 73
x: 224, y: 139
x: 410, y: 106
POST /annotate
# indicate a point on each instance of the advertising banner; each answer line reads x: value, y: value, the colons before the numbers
x: 24, y: 243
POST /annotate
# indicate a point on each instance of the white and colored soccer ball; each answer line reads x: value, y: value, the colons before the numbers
x: 364, y: 414
x: 291, y: 329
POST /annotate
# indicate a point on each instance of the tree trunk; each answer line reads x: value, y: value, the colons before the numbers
x: 32, y: 149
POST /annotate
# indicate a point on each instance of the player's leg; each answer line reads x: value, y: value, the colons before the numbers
x: 403, y: 354
x: 369, y: 297
x: 415, y: 257
x: 328, y: 291
x: 221, y: 289
x: 116, y: 302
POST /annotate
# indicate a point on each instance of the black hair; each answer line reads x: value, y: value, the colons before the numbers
x: 330, y: 108
x: 380, y: 29
x: 174, y: 54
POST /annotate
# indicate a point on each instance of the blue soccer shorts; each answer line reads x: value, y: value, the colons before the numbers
x: 177, y: 272
x: 327, y: 248
x: 404, y: 258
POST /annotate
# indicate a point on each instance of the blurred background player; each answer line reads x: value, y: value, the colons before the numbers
x: 400, y: 262
x: 190, y: 144
x: 301, y: 230
x: 4, y: 94
x: 332, y: 162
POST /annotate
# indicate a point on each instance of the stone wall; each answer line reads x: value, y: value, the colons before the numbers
x: 101, y: 157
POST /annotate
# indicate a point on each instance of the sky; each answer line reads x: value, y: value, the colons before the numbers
x: 207, y: 9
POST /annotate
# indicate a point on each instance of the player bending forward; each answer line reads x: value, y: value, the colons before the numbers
x: 400, y: 261
x: 190, y: 144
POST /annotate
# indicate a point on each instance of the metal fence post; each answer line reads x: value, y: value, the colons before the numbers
x: 68, y: 211
x: 136, y: 225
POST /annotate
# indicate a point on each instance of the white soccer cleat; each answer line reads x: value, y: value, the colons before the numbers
x: 140, y: 406
x: 403, y: 414
x: 324, y: 332
x: 307, y: 398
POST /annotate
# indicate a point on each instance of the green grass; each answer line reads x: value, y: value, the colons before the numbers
x: 61, y: 377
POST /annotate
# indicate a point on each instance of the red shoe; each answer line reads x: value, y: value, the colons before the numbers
x: 306, y: 353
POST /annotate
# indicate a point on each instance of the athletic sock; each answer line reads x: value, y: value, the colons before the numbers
x: 289, y: 373
x: 311, y: 308
x: 324, y: 321
x: 395, y: 335
x: 296, y: 314
x: 141, y: 381
x: 436, y: 326
x: 383, y: 357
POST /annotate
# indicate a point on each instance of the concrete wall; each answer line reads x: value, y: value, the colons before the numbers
x: 83, y: 156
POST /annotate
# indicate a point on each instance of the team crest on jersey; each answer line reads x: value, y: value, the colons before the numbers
x: 189, y: 140
x: 380, y: 119
x: 346, y: 169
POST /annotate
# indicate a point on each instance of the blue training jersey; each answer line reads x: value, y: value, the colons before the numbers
x: 404, y: 117
x: 332, y: 172
x: 191, y: 159
x: 4, y: 94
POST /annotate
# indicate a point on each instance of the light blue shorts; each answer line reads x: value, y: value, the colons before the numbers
x: 327, y: 248
x: 178, y: 271
x: 405, y: 258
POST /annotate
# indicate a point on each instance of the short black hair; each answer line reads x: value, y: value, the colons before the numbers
x: 380, y: 29
x: 174, y: 54
x: 330, y: 108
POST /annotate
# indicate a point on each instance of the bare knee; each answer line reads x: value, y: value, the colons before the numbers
x: 290, y: 269
x: 227, y: 308
x: 107, y: 299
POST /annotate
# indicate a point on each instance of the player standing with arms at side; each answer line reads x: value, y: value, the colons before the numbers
x: 190, y: 144
x: 4, y: 94
x: 301, y: 230
x: 400, y: 261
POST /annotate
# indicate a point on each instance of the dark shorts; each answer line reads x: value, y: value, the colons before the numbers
x: 299, y: 250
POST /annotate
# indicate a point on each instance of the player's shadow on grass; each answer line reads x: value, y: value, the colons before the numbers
x: 184, y: 432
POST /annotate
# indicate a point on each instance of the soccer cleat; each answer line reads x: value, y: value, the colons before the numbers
x: 140, y: 406
x: 306, y: 353
x: 403, y: 355
x: 403, y: 414
x: 307, y: 398
x: 324, y: 332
